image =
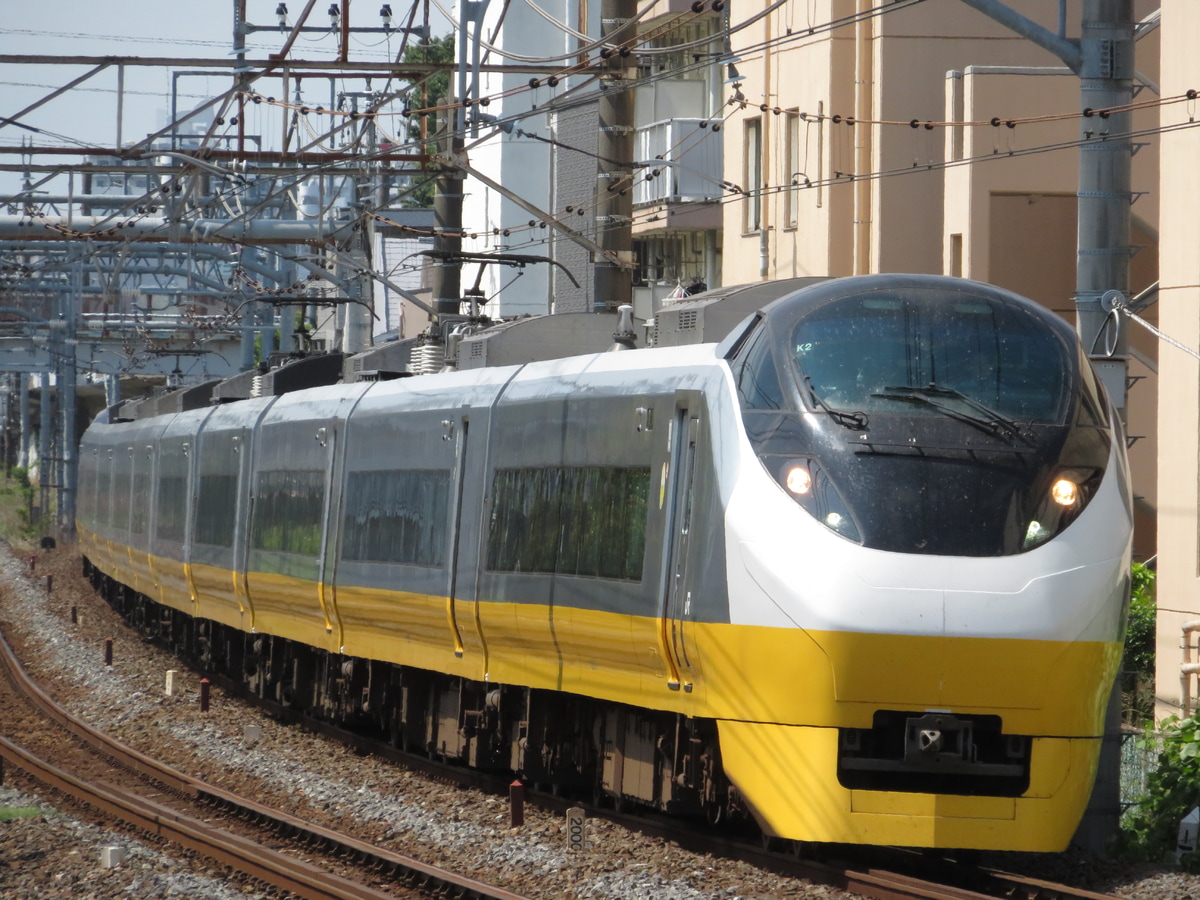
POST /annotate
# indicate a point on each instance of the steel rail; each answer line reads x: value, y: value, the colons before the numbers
x: 283, y: 871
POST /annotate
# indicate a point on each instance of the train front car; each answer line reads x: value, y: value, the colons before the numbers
x: 932, y: 545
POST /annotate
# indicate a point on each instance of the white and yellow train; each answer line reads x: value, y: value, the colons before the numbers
x: 858, y: 570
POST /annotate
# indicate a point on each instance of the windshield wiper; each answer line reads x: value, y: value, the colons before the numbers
x: 846, y: 419
x: 989, y: 419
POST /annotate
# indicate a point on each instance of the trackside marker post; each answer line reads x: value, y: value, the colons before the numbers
x: 204, y: 687
x: 576, y: 829
x: 516, y: 804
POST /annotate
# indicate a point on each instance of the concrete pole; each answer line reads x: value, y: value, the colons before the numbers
x: 23, y: 394
x: 70, y: 373
x: 360, y: 286
x: 112, y: 390
x: 45, y: 435
x: 266, y: 321
x: 6, y: 392
x: 1105, y: 183
x: 446, y: 280
x: 249, y: 323
x: 613, y: 281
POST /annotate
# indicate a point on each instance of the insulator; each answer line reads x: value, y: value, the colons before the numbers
x: 429, y: 359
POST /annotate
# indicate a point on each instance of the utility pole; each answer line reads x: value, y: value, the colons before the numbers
x: 68, y: 460
x: 613, y: 278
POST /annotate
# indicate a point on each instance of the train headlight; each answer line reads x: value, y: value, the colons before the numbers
x: 809, y: 486
x: 798, y: 479
x: 1068, y: 493
x: 1065, y: 492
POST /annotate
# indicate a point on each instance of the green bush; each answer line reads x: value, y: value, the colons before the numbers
x: 1141, y: 635
x: 1137, y: 666
x: 1150, y: 829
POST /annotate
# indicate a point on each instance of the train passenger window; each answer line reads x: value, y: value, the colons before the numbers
x: 397, y: 517
x: 288, y: 511
x: 120, y: 484
x: 584, y: 520
x: 216, y: 510
x: 103, y: 493
x: 171, y: 507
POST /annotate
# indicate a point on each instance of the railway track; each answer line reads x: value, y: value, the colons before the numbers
x: 121, y: 783
x: 922, y: 879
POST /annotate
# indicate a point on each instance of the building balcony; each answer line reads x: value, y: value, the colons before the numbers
x: 684, y: 193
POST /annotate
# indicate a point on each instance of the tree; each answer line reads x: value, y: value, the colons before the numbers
x: 434, y: 91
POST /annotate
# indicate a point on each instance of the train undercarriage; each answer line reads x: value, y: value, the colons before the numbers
x: 563, y: 743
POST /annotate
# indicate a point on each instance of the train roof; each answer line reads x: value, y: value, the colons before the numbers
x: 703, y: 318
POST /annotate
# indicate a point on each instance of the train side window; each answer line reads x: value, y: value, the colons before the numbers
x: 216, y: 510
x: 172, y: 506
x: 104, y: 492
x: 583, y: 520
x: 121, y: 490
x: 397, y: 517
x: 758, y: 379
x: 171, y: 501
x: 287, y: 512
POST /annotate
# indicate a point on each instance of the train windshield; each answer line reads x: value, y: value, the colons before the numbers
x: 931, y: 352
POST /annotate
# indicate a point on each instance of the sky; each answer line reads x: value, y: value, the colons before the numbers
x: 164, y: 28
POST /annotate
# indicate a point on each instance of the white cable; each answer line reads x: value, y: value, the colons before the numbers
x: 1178, y: 345
x: 557, y: 23
x: 518, y: 57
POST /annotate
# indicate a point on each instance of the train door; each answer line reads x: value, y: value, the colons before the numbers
x: 676, y: 599
x: 331, y: 519
x: 467, y: 491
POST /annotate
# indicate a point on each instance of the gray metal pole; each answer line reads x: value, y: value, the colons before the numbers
x: 613, y: 281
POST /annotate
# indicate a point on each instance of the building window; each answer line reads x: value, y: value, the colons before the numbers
x: 588, y: 520
x: 397, y: 517
x: 792, y: 176
x: 752, y: 153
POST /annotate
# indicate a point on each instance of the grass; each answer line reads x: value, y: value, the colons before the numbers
x: 16, y: 494
x: 8, y: 813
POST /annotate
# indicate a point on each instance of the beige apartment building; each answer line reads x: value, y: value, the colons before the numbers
x: 870, y: 148
x: 1179, y: 318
